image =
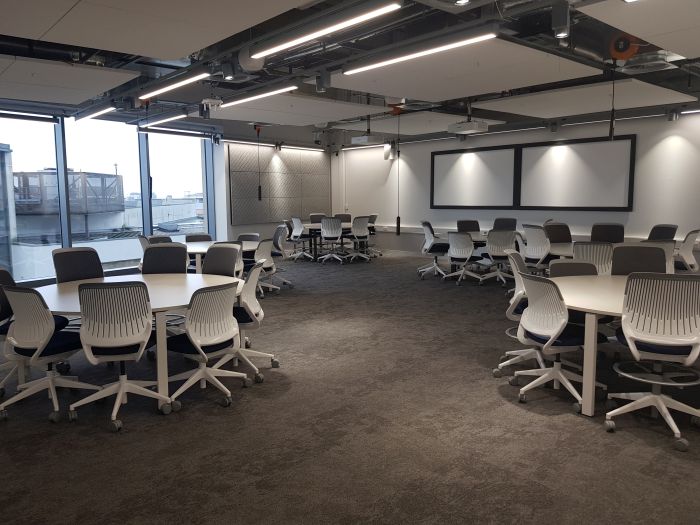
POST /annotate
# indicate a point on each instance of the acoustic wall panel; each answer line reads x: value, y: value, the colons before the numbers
x: 294, y: 183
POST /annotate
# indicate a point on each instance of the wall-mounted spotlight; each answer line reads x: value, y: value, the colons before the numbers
x: 227, y: 70
x: 561, y: 23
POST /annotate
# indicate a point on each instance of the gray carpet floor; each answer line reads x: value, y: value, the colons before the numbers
x: 384, y: 411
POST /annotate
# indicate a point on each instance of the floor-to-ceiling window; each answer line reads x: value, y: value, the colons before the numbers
x: 29, y: 208
x: 104, y: 186
x: 177, y: 185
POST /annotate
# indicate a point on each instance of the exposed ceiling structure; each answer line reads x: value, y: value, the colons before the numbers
x: 68, y: 57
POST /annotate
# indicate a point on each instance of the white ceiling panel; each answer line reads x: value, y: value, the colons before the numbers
x: 419, y: 123
x: 166, y: 29
x: 294, y: 110
x: 670, y: 24
x: 49, y: 81
x: 487, y: 67
x: 592, y: 98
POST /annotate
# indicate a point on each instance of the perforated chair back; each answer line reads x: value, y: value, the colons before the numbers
x: 297, y: 228
x: 468, y: 226
x: 249, y: 299
x: 159, y: 239
x: 568, y: 268
x: 76, y: 264
x: 331, y: 229
x: 611, y: 232
x: 165, y: 258
x: 290, y: 228
x: 344, y: 217
x: 221, y: 259
x: 114, y: 316
x: 662, y: 311
x: 663, y: 232
x: 264, y: 253
x: 517, y: 263
x: 669, y: 248
x: 248, y: 237
x: 278, y: 239
x: 638, y: 257
x: 598, y: 253
x: 198, y: 237
x: 498, y: 241
x: 6, y: 279
x: 557, y: 232
x: 316, y: 218
x: 546, y: 315
x: 685, y: 250
x: 144, y: 242
x: 33, y: 325
x: 537, y: 247
x: 209, y: 319
x: 360, y: 227
x: 372, y: 223
x: 505, y: 223
x: 429, y: 236
x: 461, y: 246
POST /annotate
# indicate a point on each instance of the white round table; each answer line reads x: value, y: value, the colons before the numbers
x: 199, y: 248
x: 595, y: 295
x: 166, y: 292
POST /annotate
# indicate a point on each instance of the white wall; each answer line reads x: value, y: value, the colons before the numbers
x: 667, y: 179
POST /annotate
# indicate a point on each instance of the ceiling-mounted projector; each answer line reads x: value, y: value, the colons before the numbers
x: 367, y: 140
x: 468, y: 127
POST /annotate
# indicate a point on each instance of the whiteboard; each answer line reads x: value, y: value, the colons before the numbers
x: 473, y: 178
x: 577, y: 175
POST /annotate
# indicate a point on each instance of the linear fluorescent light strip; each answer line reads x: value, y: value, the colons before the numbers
x: 98, y: 113
x: 330, y: 29
x: 23, y: 114
x: 256, y: 97
x: 161, y: 121
x: 423, y: 53
x: 690, y: 112
x: 176, y: 85
x: 266, y: 144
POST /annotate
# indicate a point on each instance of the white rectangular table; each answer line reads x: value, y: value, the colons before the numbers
x: 199, y: 249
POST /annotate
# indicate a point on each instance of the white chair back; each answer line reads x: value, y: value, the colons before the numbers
x: 114, y: 315
x: 209, y: 320
x: 685, y: 251
x: 598, y: 253
x: 537, y: 246
x: 546, y: 314
x: 33, y: 323
x: 331, y: 228
x: 662, y: 310
x: 264, y: 253
x: 429, y: 234
x: 517, y: 264
x: 279, y: 238
x: 360, y: 227
x: 669, y: 248
x: 249, y: 299
x: 461, y: 245
x: 498, y: 241
x: 297, y: 228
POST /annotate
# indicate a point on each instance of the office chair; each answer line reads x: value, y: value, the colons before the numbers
x: 637, y: 257
x: 517, y: 305
x: 611, y: 232
x: 372, y: 249
x: 685, y: 257
x: 470, y: 226
x: 433, y: 248
x: 505, y: 224
x: 344, y: 217
x: 598, y: 253
x: 264, y: 253
x: 661, y: 328
x: 198, y: 237
x: 298, y: 237
x: 557, y: 233
x: 279, y: 251
x: 76, y: 264
x: 316, y: 218
x: 159, y: 239
x: 32, y: 340
x: 211, y: 332
x: 143, y: 241
x: 359, y: 235
x: 535, y: 251
x: 249, y: 316
x: 570, y: 268
x: 663, y: 232
x: 545, y: 324
x: 165, y: 258
x: 669, y: 248
x: 248, y: 237
x: 497, y: 242
x: 221, y: 259
x: 460, y: 253
x: 331, y: 235
x: 117, y: 327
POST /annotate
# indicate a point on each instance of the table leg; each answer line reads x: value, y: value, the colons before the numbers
x: 161, y: 355
x: 590, y: 352
x: 198, y: 262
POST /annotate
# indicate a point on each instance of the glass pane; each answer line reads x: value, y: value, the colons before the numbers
x: 105, y: 189
x: 177, y: 185
x: 29, y: 223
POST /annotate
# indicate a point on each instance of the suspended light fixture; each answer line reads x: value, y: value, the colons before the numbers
x: 163, y: 120
x: 561, y: 23
x: 95, y: 113
x: 175, y: 85
x: 250, y: 98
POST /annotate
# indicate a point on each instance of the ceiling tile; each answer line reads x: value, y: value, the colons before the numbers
x: 418, y: 123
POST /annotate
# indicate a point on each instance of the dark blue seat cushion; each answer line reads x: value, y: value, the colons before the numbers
x: 521, y: 307
x: 461, y: 259
x: 572, y: 335
x: 123, y: 350
x: 439, y: 247
x: 577, y: 317
x: 181, y: 344
x: 241, y: 315
x: 60, y: 342
x: 652, y: 348
x: 248, y: 264
x: 59, y: 322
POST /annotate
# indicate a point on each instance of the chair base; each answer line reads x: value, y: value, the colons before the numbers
x: 518, y: 356
x: 204, y: 375
x: 433, y: 268
x: 498, y: 274
x: 462, y: 273
x: 245, y: 354
x: 557, y: 374
x: 661, y: 402
x: 52, y: 381
x: 332, y: 255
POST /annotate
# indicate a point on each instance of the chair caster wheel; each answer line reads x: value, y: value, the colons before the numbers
x: 611, y: 405
x: 275, y: 363
x: 166, y: 409
x: 3, y: 415
x: 577, y: 407
x: 681, y: 445
x: 248, y: 344
x: 609, y: 425
x: 226, y: 401
x: 175, y: 405
x: 259, y: 378
x: 522, y: 398
x: 480, y: 283
x: 247, y: 382
x: 513, y: 381
x: 72, y: 416
x: 115, y: 426
x: 151, y: 356
x: 63, y: 368
x: 503, y: 358
x: 497, y: 372
x: 55, y: 417
x: 695, y: 421
x: 2, y: 392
